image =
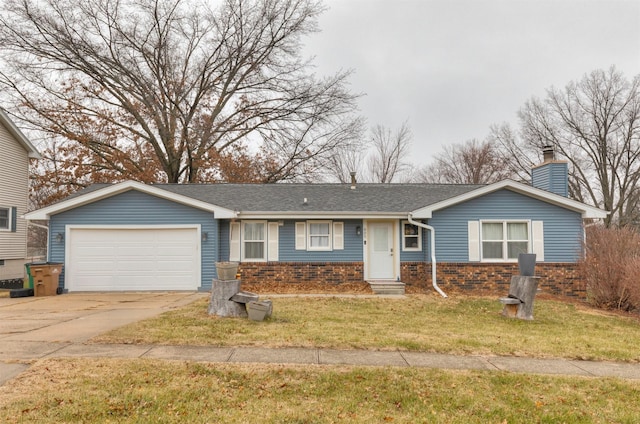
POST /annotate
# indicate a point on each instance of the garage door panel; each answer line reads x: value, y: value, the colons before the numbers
x: 133, y: 259
x: 97, y: 251
x: 125, y: 251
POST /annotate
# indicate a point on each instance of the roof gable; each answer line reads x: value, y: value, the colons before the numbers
x: 585, y: 210
x: 115, y: 189
x: 15, y: 132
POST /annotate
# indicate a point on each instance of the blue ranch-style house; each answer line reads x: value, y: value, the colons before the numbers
x: 132, y: 236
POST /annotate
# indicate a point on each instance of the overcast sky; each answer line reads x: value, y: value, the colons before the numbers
x: 452, y: 68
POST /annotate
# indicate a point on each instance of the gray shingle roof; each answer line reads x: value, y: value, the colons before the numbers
x: 320, y: 197
x: 380, y: 198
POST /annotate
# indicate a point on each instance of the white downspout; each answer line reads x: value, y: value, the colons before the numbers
x: 434, y: 282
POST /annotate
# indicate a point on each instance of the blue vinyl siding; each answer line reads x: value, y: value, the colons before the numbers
x: 563, y: 231
x: 286, y: 244
x: 136, y: 208
x: 551, y: 177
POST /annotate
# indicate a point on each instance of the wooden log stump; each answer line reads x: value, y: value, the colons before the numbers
x: 221, y: 304
x: 522, y: 292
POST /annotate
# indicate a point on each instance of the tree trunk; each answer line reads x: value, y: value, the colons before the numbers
x: 220, y: 304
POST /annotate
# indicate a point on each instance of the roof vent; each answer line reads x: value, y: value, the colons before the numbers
x: 353, y: 180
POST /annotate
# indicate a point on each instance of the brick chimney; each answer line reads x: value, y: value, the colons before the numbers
x: 551, y: 175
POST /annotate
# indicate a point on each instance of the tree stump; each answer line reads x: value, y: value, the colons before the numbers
x: 522, y: 292
x: 221, y: 304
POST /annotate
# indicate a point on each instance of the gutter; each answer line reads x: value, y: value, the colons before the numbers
x: 434, y: 282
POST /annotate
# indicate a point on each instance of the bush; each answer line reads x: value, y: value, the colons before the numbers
x: 611, y: 267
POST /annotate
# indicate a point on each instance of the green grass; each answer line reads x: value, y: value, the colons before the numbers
x: 146, y: 391
x: 464, y: 325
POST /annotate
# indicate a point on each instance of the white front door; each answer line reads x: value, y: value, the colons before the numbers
x: 380, y: 251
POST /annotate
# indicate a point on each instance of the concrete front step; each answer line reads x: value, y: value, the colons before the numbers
x: 387, y: 287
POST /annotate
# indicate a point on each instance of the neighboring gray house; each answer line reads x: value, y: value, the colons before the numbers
x: 15, y: 153
x: 131, y: 236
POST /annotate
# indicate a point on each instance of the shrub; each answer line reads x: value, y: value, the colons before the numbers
x: 611, y: 267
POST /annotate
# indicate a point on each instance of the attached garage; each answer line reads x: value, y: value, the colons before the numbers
x: 112, y: 258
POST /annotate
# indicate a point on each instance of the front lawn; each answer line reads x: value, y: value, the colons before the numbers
x: 147, y: 391
x: 458, y: 325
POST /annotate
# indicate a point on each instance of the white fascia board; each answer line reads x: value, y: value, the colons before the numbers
x: 321, y: 215
x: 18, y: 135
x: 585, y: 210
x: 94, y: 196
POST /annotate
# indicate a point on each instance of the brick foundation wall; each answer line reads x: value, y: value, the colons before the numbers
x: 556, y: 278
x: 332, y: 273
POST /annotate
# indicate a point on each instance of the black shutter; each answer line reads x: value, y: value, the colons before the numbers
x: 14, y: 219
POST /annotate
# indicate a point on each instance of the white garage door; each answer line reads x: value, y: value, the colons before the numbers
x: 133, y: 259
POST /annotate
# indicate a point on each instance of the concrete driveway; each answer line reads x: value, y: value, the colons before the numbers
x: 77, y: 317
x: 33, y: 327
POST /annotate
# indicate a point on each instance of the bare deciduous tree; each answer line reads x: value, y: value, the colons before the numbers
x: 346, y: 160
x: 388, y: 160
x: 157, y: 90
x: 381, y: 158
x: 595, y: 125
x: 473, y: 162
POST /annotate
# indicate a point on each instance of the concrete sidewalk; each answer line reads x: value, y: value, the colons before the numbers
x: 13, y: 351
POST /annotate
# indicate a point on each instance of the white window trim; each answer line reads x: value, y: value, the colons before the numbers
x: 504, y: 223
x: 264, y: 241
x: 9, y: 219
x: 419, y: 236
x: 329, y: 246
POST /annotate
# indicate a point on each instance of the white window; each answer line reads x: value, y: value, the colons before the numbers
x: 5, y: 219
x: 411, y: 237
x: 254, y: 238
x: 319, y: 235
x: 503, y: 241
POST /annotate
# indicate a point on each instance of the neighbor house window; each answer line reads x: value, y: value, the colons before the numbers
x: 319, y: 235
x: 504, y: 240
x: 5, y: 219
x: 411, y: 237
x: 254, y: 240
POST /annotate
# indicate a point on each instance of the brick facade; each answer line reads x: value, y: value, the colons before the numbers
x: 332, y: 273
x: 556, y: 278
